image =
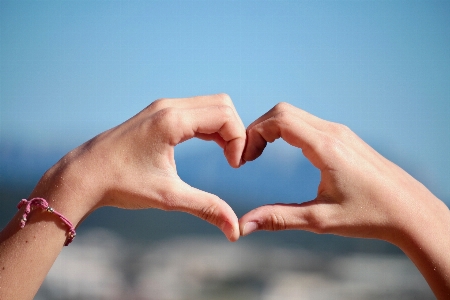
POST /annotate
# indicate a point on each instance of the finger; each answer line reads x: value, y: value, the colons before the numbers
x: 310, y: 216
x: 212, y: 137
x: 334, y: 130
x: 284, y: 121
x: 179, y: 125
x: 222, y: 143
x: 293, y: 130
x: 223, y: 120
x: 233, y: 148
x: 206, y: 206
x: 297, y: 113
x: 195, y: 102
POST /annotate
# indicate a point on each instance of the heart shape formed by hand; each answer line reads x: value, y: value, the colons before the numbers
x: 355, y: 181
x: 281, y: 174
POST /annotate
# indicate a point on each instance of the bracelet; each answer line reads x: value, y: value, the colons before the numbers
x: 40, y: 202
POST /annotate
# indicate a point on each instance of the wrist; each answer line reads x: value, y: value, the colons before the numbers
x: 425, y: 241
x: 425, y: 222
x: 68, y: 188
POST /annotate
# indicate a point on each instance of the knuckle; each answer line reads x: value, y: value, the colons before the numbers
x: 158, y: 104
x: 282, y: 113
x: 209, y: 213
x: 167, y: 124
x: 276, y: 222
x: 227, y: 111
x: 316, y: 224
x: 340, y: 130
x: 282, y: 117
x: 282, y: 106
x: 167, y: 118
x: 330, y: 144
x: 224, y: 98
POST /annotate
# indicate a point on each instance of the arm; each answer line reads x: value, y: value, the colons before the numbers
x: 361, y: 194
x: 130, y: 166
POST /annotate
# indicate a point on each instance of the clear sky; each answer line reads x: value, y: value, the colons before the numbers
x: 71, y: 69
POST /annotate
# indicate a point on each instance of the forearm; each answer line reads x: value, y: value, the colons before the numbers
x: 27, y: 254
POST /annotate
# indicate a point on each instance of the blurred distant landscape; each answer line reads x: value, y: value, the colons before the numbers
x: 149, y: 252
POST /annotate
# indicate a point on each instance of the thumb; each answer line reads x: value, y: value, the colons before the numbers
x: 309, y: 216
x: 206, y: 206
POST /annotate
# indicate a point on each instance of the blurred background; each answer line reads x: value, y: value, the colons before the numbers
x: 72, y: 69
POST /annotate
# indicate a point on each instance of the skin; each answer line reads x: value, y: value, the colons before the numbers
x: 131, y: 166
x: 361, y: 194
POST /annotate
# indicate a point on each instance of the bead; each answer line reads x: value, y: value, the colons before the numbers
x: 50, y: 210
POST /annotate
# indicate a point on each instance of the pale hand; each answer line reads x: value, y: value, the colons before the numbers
x: 130, y: 166
x: 361, y: 193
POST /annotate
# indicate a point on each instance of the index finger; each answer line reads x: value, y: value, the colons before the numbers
x: 196, y: 102
x: 178, y: 125
x: 284, y: 121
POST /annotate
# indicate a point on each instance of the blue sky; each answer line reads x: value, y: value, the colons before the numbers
x: 71, y: 69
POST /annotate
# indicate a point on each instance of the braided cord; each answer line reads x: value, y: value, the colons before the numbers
x: 42, y: 203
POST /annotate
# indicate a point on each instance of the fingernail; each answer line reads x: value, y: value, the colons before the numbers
x: 249, y: 227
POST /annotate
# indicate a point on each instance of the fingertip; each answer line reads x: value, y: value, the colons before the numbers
x: 233, y: 152
x: 210, y: 208
x: 230, y: 231
x: 254, y: 149
x: 249, y: 227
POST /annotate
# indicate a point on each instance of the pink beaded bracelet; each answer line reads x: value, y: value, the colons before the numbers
x: 40, y: 202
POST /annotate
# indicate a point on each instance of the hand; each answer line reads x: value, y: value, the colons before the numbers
x: 361, y: 194
x: 132, y: 165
